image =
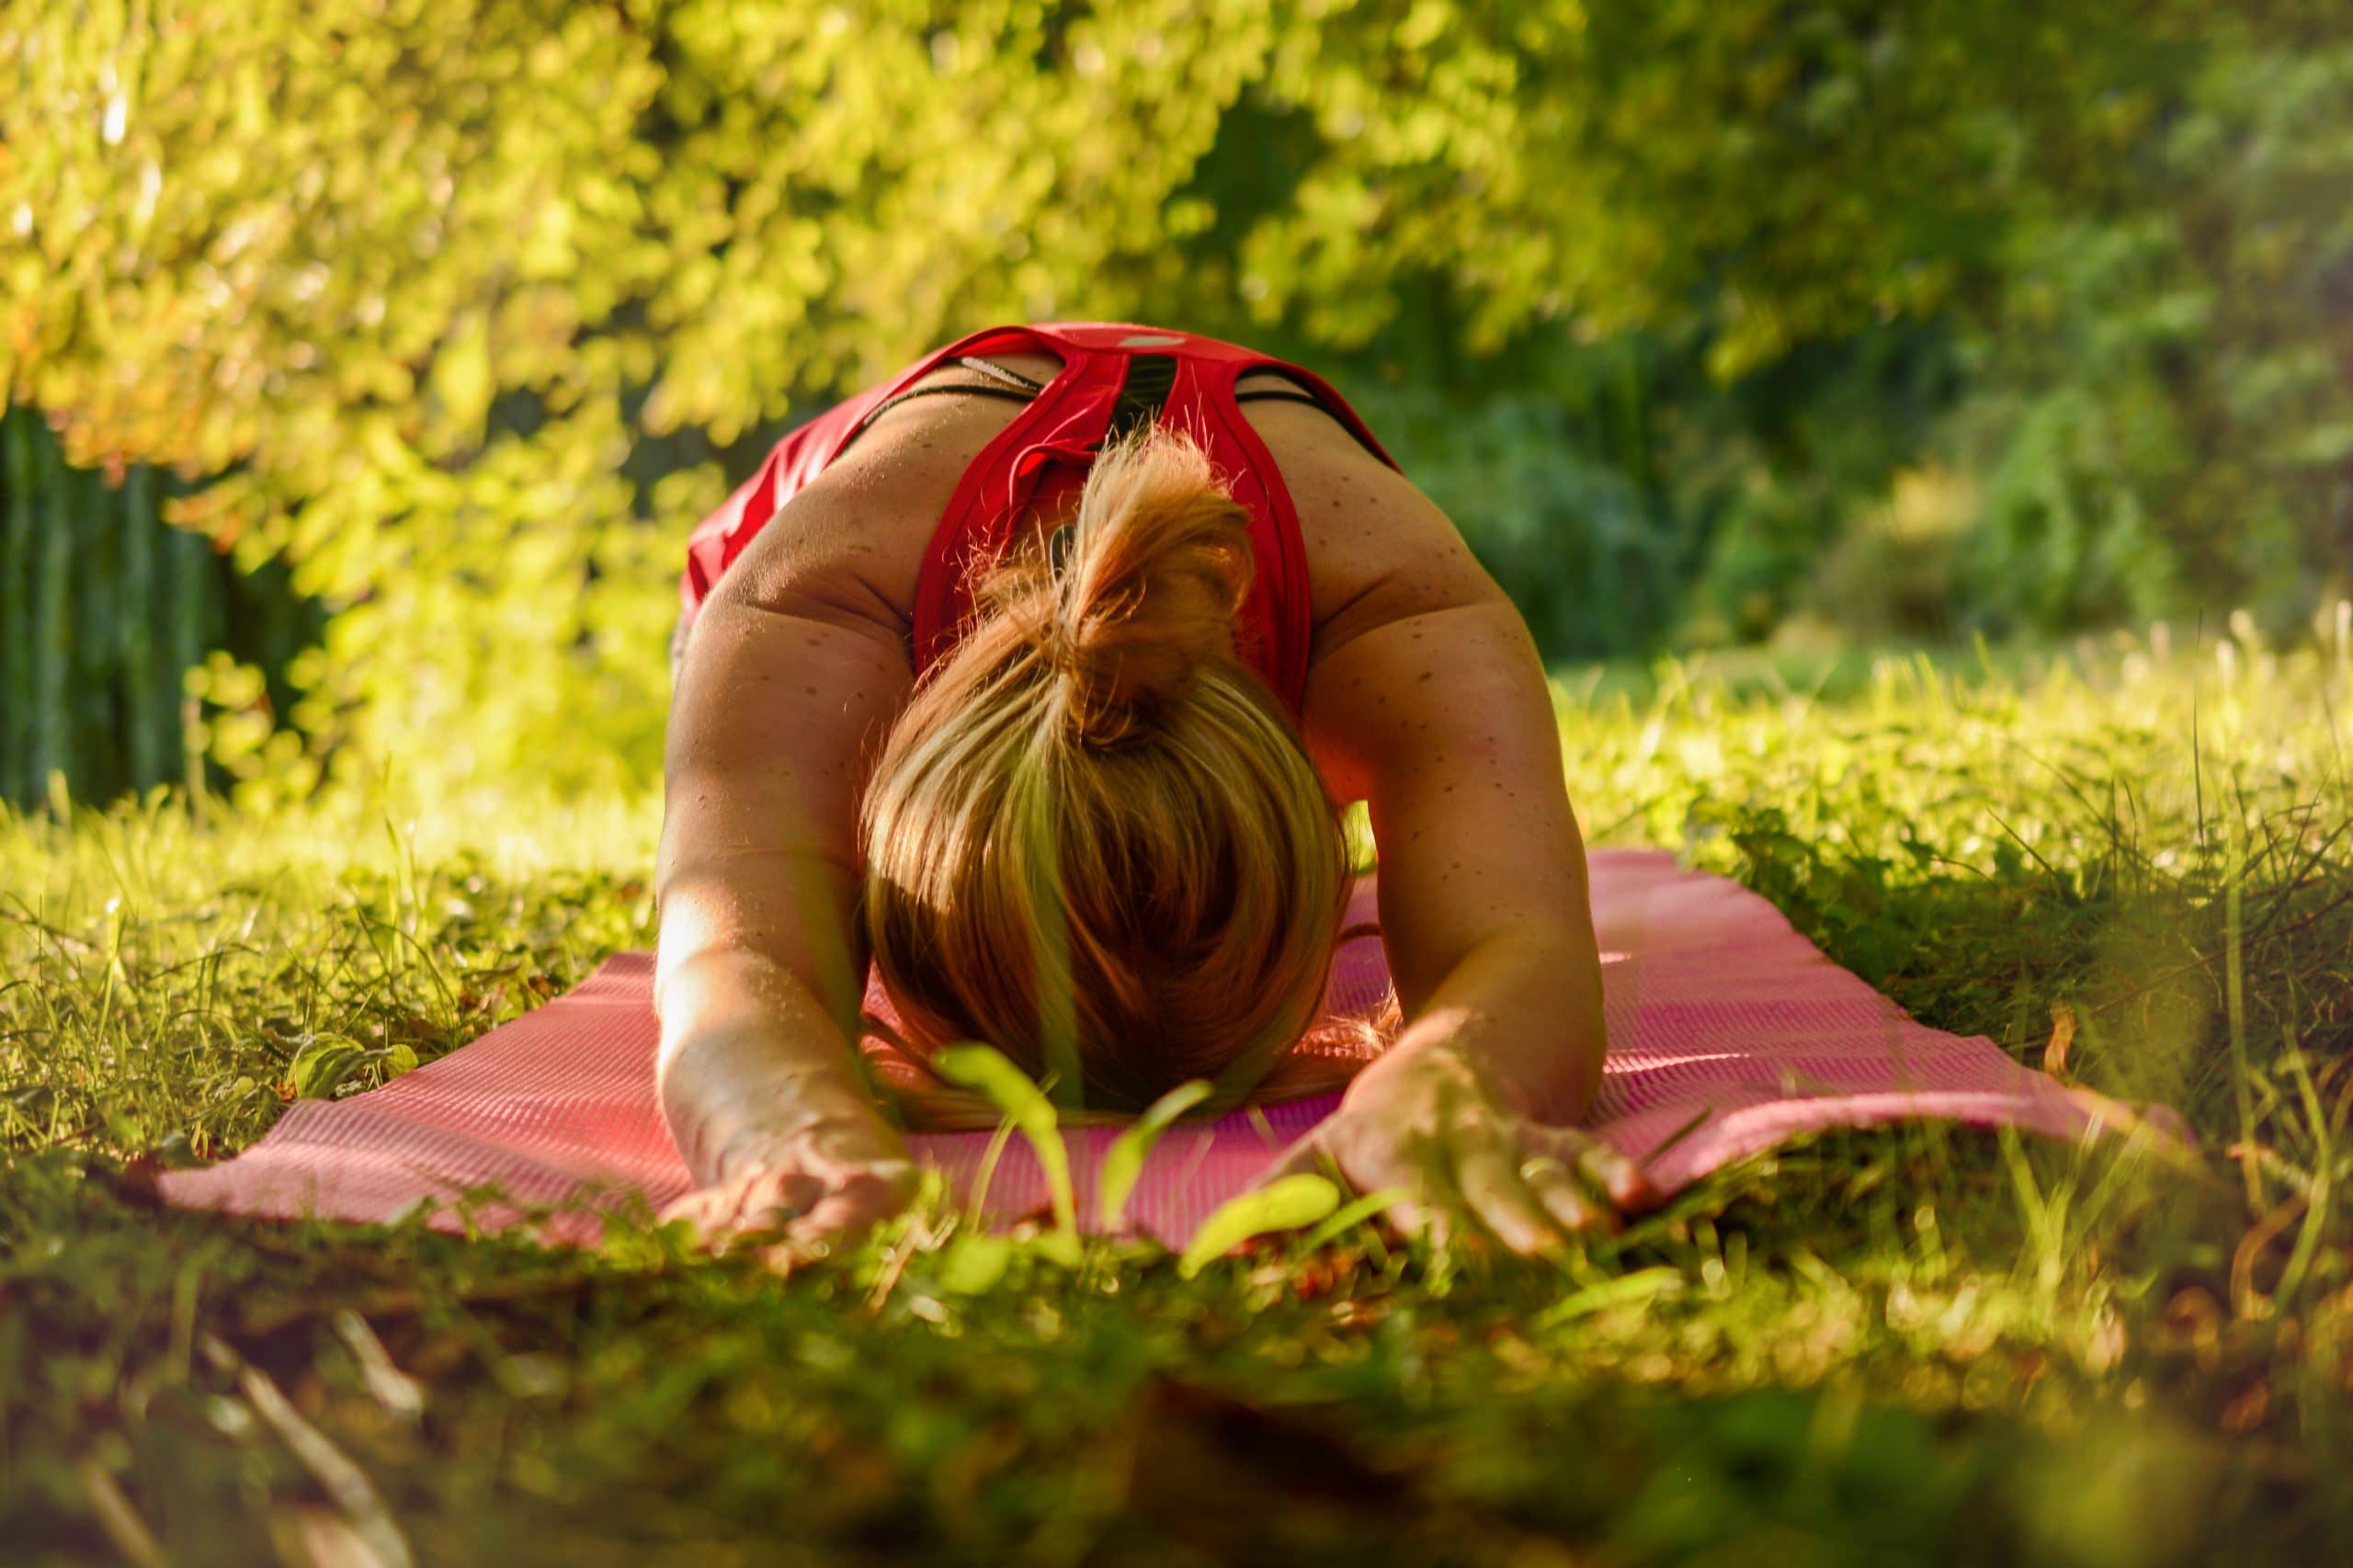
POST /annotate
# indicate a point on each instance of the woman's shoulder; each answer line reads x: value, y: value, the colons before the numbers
x: 851, y: 540
x: 851, y: 543
x: 846, y: 545
x: 1378, y: 549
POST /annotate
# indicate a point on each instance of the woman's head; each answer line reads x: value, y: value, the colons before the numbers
x: 1093, y: 839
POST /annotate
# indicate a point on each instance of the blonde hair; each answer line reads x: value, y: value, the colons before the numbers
x: 1093, y: 839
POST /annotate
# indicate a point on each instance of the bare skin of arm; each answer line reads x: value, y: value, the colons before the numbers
x: 1426, y: 699
x: 796, y: 668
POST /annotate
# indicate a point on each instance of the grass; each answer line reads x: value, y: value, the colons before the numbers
x: 2128, y: 864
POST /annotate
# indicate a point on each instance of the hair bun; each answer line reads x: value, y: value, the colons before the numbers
x: 1094, y: 838
x: 1156, y: 574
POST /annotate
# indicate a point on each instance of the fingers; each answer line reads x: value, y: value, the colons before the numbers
x: 1574, y: 1183
x: 1502, y: 1199
x: 1483, y: 1184
x: 1607, y: 1167
x: 773, y: 1198
x: 1306, y: 1156
x: 715, y: 1212
x: 1529, y: 1204
x: 788, y: 1200
x: 1617, y: 1175
x: 1405, y: 1218
x: 1569, y: 1202
x: 859, y: 1201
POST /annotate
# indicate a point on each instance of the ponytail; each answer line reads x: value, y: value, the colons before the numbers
x: 1148, y: 590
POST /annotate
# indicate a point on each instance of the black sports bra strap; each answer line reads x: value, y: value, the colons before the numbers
x: 1308, y: 399
x: 888, y: 403
x: 1294, y: 393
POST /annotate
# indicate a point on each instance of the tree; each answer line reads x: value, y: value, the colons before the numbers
x: 470, y: 307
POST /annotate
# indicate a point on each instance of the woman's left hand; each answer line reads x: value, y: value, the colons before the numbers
x: 1424, y: 1122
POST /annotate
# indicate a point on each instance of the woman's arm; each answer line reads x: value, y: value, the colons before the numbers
x: 791, y: 677
x: 796, y: 670
x: 1427, y: 700
x: 1441, y: 721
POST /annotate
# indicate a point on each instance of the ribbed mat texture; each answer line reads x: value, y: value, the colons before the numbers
x: 1719, y: 1013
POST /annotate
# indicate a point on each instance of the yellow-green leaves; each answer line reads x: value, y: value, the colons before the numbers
x: 972, y: 1261
x: 462, y: 381
x: 448, y: 300
x: 977, y: 1261
x: 1354, y: 1213
x: 1123, y: 1161
x: 1625, y: 1290
x: 1023, y: 1103
x: 1284, y: 1204
x: 320, y: 1068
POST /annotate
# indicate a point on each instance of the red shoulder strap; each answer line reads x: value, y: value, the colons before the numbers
x: 1045, y: 452
x: 807, y: 450
x: 1045, y: 448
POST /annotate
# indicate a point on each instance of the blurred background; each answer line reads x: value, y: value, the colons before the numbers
x: 367, y: 361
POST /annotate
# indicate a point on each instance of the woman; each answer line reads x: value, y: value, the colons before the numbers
x: 1039, y: 673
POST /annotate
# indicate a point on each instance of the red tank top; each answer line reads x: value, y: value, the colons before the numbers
x: 1115, y: 375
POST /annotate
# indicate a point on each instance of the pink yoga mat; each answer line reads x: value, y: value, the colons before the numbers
x: 1720, y: 1014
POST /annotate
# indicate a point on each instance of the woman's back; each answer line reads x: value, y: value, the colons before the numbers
x: 927, y: 458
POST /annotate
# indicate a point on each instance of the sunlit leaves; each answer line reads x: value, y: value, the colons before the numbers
x: 1023, y: 1103
x: 1123, y: 1161
x: 446, y: 287
x: 1284, y: 1204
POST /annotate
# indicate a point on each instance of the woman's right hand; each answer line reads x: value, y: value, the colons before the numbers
x: 830, y: 1172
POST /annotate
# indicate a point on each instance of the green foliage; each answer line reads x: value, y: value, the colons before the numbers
x: 412, y: 280
x: 1123, y: 1161
x: 1023, y: 1103
x: 1286, y: 1203
x: 468, y: 308
x: 2165, y: 415
x: 1591, y: 554
x: 1911, y: 1344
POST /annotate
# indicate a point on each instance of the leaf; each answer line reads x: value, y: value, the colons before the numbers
x: 1021, y: 1102
x: 321, y: 1066
x: 1355, y: 1214
x: 1282, y: 1205
x: 2329, y: 442
x: 462, y: 375
x: 1642, y: 1286
x: 1123, y: 1161
x: 2062, y: 1034
x: 400, y: 1061
x: 973, y: 1264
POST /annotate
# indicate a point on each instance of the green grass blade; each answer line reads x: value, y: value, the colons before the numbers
x: 1123, y: 1161
x: 2234, y: 1005
x: 1643, y: 1285
x: 986, y: 1173
x: 1352, y: 1215
x: 1021, y: 1102
x: 1283, y: 1205
x: 2317, y: 1205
